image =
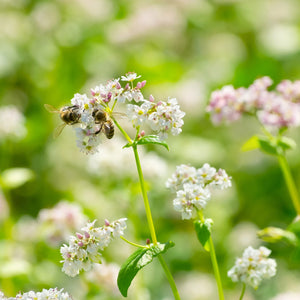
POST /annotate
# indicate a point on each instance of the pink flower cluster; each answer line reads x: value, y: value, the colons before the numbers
x: 275, y: 109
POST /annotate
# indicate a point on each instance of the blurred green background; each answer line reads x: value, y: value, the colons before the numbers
x: 50, y: 50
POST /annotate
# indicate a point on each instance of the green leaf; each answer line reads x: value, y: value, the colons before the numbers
x: 251, y: 144
x: 15, y: 177
x: 136, y: 262
x: 286, y: 143
x: 267, y: 146
x: 152, y: 139
x: 203, y: 231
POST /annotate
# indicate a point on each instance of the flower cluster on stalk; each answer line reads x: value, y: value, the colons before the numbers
x: 51, y: 294
x: 277, y: 109
x: 253, y: 267
x: 193, y: 187
x: 83, y: 249
x: 163, y: 117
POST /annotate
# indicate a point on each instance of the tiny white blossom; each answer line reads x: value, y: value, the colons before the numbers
x: 130, y: 77
x: 253, y: 267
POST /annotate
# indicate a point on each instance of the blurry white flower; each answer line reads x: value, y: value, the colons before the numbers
x: 253, y: 267
x: 60, y: 221
x: 12, y: 123
x: 117, y: 163
x: 287, y: 296
x: 105, y: 275
x: 83, y: 249
x: 192, y: 187
x: 130, y: 77
x: 4, y: 208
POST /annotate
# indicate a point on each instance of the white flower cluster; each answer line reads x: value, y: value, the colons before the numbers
x: 162, y: 117
x: 193, y: 187
x: 51, y: 294
x: 12, y: 123
x: 253, y: 267
x: 83, y: 248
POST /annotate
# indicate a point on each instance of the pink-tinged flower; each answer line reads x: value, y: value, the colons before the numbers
x: 289, y: 90
x: 83, y: 249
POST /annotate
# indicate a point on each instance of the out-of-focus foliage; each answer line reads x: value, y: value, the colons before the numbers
x: 50, y: 50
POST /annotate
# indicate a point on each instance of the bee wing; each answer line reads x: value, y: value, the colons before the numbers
x: 51, y: 108
x: 58, y: 130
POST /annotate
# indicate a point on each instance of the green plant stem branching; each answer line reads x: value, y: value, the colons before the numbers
x: 148, y: 211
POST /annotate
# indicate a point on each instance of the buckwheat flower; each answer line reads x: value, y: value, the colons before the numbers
x: 51, y: 294
x: 192, y: 187
x: 224, y: 105
x: 84, y: 248
x: 280, y: 113
x: 59, y: 222
x: 206, y: 174
x: 191, y: 198
x: 221, y: 180
x: 289, y: 90
x: 130, y: 76
x: 253, y: 267
x: 183, y: 174
x: 12, y: 123
x: 87, y: 142
x: 162, y: 117
x: 82, y: 101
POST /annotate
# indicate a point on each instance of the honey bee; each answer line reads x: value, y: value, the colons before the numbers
x: 106, y: 124
x: 69, y: 115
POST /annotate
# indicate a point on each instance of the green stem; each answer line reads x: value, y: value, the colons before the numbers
x: 243, y: 291
x: 151, y: 224
x: 169, y: 277
x: 145, y: 196
x: 122, y: 130
x: 289, y: 182
x: 148, y: 211
x: 133, y: 244
x: 216, y: 268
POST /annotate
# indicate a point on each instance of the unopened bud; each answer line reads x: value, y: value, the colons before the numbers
x: 142, y: 133
x: 87, y: 235
x: 148, y: 241
x: 151, y: 98
x: 118, y: 85
x: 80, y: 244
x: 274, y: 235
x: 80, y: 236
x: 106, y: 222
